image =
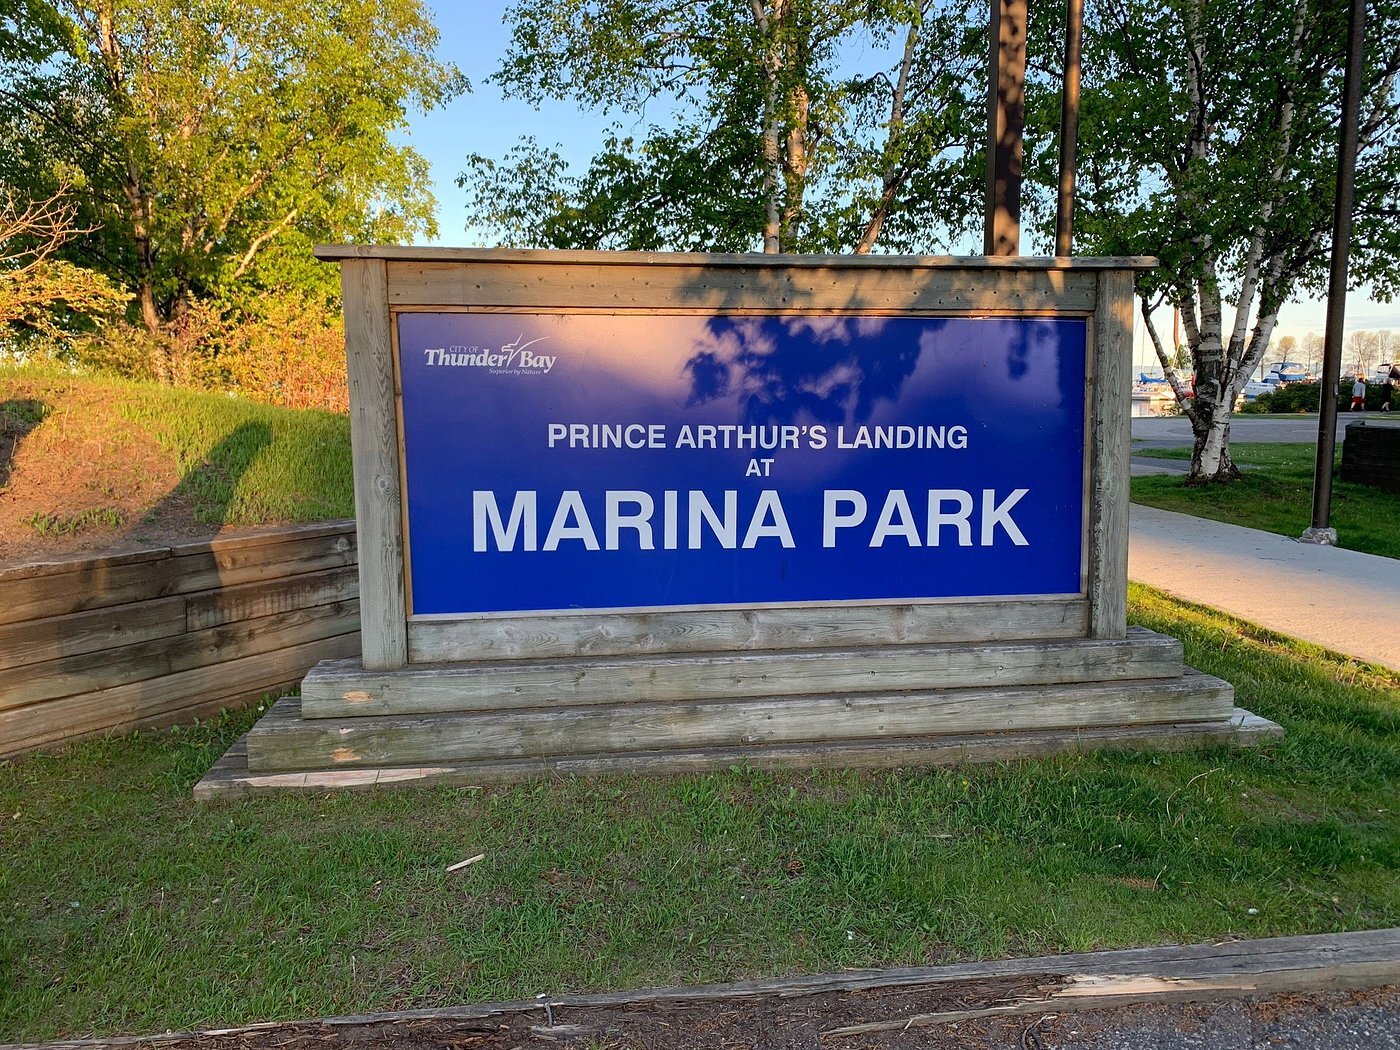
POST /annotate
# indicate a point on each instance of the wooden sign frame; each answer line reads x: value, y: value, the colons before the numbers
x: 378, y: 283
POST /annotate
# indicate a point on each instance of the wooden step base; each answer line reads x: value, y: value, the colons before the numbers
x: 343, y: 688
x: 284, y: 740
x: 231, y: 778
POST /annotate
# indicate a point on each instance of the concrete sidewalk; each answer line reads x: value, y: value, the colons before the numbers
x: 1341, y: 599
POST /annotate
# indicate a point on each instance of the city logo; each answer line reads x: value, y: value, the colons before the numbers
x: 513, y: 358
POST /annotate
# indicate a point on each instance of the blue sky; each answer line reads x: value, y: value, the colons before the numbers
x: 474, y: 37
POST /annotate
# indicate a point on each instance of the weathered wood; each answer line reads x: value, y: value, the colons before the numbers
x: 246, y: 539
x: 55, y: 566
x: 375, y: 442
x: 1111, y: 441
x: 231, y: 778
x: 724, y: 630
x: 605, y: 286
x: 253, y: 600
x: 146, y: 702
x: 51, y: 566
x: 37, y: 641
x: 662, y: 260
x: 103, y: 586
x: 438, y: 739
x: 106, y: 669
x: 337, y: 690
x: 1082, y: 992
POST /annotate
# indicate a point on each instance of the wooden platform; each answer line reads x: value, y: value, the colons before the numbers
x: 231, y: 778
x: 873, y: 706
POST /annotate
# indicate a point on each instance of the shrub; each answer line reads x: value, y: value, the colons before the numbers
x: 286, y: 349
x: 292, y: 354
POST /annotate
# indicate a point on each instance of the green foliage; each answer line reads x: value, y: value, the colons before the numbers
x: 208, y: 143
x: 1210, y: 136
x: 774, y: 140
x: 132, y: 908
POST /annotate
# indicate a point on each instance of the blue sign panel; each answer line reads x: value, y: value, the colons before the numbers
x: 588, y: 461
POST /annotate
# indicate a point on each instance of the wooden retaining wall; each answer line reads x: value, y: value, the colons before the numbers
x: 159, y: 635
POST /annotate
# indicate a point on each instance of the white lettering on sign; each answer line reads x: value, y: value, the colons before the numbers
x: 844, y: 512
x: 513, y: 357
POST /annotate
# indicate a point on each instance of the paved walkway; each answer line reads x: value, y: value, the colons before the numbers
x: 1341, y: 599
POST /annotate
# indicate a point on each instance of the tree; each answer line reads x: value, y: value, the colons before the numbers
x: 205, y: 136
x: 1367, y: 349
x: 38, y: 291
x: 1312, y: 351
x: 774, y: 142
x: 1210, y: 140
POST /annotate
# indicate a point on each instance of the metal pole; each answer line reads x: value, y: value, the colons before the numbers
x: 1321, y: 530
x: 1069, y: 128
x: 1006, y: 121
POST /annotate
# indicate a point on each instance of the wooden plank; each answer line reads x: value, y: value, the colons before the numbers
x: 441, y: 739
x: 1112, y: 446
x: 741, y: 630
x: 1079, y: 993
x: 244, y: 539
x: 37, y: 641
x: 338, y: 690
x: 374, y: 439
x: 253, y: 600
x: 103, y: 586
x: 659, y: 260
x: 43, y: 566
x: 92, y: 672
x: 205, y: 707
x: 1241, y: 729
x: 772, y: 289
x: 142, y: 703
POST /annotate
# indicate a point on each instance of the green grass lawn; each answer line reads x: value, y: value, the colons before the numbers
x: 1276, y: 495
x: 129, y: 908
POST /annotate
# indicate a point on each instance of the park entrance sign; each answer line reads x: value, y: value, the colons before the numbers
x: 667, y: 512
x: 557, y: 461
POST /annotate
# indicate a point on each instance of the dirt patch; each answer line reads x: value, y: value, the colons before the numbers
x: 806, y: 1023
x: 76, y: 476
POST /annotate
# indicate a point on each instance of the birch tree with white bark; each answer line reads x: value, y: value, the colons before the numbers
x: 1210, y: 138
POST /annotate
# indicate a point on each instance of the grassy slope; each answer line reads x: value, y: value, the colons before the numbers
x: 271, y: 464
x: 234, y: 462
x: 127, y: 907
x: 1276, y: 496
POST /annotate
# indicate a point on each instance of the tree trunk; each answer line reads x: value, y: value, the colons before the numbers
x: 150, y: 312
x: 1210, y: 455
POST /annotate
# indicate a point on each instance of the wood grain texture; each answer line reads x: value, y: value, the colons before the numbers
x: 159, y: 658
x: 661, y: 260
x: 57, y: 566
x: 441, y: 739
x: 742, y: 630
x: 1111, y: 399
x: 38, y: 641
x: 375, y: 446
x: 598, y: 285
x: 253, y: 600
x: 101, y: 585
x: 146, y: 702
x: 337, y: 690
